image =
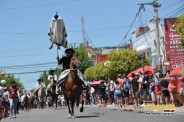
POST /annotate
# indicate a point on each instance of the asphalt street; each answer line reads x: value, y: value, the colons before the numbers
x: 90, y: 114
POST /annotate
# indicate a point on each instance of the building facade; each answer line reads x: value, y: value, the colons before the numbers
x: 146, y: 36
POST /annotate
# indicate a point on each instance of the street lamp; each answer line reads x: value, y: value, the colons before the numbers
x: 142, y: 50
x: 3, y: 82
x: 106, y: 64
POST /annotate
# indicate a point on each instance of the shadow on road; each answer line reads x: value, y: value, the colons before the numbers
x: 85, y: 116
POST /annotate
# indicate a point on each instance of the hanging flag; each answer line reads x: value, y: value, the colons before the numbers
x: 57, y: 32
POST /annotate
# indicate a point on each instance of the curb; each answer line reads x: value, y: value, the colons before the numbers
x: 178, y: 111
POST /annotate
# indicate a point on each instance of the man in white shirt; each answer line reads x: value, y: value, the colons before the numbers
x: 38, y: 85
x: 111, y: 88
x: 51, y: 77
x: 92, y: 94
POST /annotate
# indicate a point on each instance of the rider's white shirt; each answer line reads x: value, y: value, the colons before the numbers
x: 39, y: 85
x: 52, y: 76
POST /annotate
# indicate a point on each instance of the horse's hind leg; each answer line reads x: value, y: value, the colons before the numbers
x: 77, y: 102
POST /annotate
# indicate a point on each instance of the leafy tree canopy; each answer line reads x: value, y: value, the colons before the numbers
x: 9, y: 78
x: 121, y: 61
x: 180, y: 28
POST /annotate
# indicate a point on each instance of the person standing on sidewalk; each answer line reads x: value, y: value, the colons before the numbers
x: 135, y: 89
x: 158, y: 90
x: 121, y: 83
x: 111, y: 88
x: 181, y: 89
x: 13, y: 97
x: 144, y: 89
x: 174, y: 91
x: 92, y: 94
x: 152, y: 90
x: 102, y: 94
x: 117, y: 94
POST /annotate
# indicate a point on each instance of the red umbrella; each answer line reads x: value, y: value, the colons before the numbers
x: 178, y: 71
x: 146, y: 68
x: 95, y: 82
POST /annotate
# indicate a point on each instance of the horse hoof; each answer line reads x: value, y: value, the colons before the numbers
x: 73, y: 117
x: 69, y: 116
x: 81, y: 110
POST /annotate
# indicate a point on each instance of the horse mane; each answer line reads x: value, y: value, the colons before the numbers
x: 74, y: 63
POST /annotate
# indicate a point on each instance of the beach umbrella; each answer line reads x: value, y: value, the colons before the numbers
x: 177, y: 71
x: 95, y: 82
x: 149, y: 69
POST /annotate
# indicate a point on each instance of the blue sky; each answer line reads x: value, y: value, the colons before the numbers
x: 24, y: 25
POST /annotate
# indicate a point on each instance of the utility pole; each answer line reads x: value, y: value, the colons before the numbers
x: 83, y: 31
x: 155, y: 5
x: 156, y: 20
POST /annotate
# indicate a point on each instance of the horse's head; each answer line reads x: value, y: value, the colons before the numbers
x: 74, y: 63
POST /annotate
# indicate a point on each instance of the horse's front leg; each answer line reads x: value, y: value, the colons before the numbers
x: 68, y: 104
x: 82, y: 102
x: 56, y: 100
x: 72, y: 106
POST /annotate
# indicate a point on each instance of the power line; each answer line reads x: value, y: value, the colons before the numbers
x: 141, y: 7
x: 33, y: 72
x: 37, y: 6
x: 26, y: 65
x: 26, y: 55
x: 171, y: 5
x: 25, y: 50
x: 180, y: 8
x: 177, y: 12
x: 92, y: 30
x: 141, y: 24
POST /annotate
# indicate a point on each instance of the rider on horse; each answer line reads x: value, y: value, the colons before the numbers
x: 38, y: 85
x: 52, y: 77
x: 65, y: 60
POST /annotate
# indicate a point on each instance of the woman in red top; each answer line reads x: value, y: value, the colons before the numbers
x: 13, y: 97
x: 174, y: 91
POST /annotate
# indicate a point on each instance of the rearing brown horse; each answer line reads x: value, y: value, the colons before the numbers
x: 72, y: 87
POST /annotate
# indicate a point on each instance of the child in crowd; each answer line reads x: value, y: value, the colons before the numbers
x: 158, y: 92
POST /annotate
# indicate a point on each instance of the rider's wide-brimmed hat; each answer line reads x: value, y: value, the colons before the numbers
x: 39, y: 80
x: 69, y: 49
x: 51, y: 71
x: 12, y: 81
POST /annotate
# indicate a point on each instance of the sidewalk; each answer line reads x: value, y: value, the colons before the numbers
x: 140, y: 109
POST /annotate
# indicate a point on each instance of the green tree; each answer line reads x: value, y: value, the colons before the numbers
x: 82, y: 54
x: 180, y: 28
x: 121, y: 61
x: 44, y: 77
x: 88, y: 74
x: 9, y: 78
x: 124, y: 61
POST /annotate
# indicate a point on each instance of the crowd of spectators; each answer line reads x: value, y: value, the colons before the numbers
x: 138, y: 89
